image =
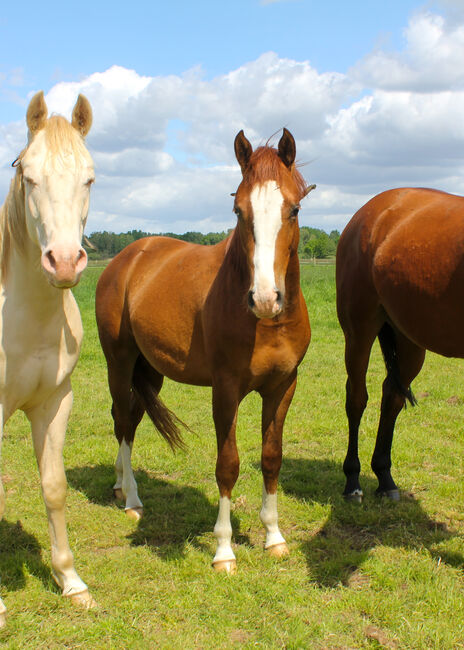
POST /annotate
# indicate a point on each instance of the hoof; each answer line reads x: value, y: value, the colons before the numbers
x: 118, y: 494
x: 225, y: 566
x: 394, y: 495
x: 356, y: 496
x: 83, y: 599
x: 134, y: 513
x: 278, y: 550
x: 2, y: 619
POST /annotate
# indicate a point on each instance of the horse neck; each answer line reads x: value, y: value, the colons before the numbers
x: 292, y: 281
x: 235, y: 260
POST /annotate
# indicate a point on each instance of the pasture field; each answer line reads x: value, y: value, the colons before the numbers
x: 375, y: 575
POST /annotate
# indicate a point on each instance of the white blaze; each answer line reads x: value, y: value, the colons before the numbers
x: 266, y: 201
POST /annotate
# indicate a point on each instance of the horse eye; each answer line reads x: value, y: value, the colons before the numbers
x: 238, y: 212
x: 89, y: 182
x: 294, y: 212
x: 29, y: 181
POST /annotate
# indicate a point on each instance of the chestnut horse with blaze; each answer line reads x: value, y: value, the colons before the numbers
x: 400, y: 277
x: 231, y: 316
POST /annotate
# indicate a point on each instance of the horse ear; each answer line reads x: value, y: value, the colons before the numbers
x: 287, y: 148
x: 243, y: 150
x: 37, y: 112
x: 82, y: 116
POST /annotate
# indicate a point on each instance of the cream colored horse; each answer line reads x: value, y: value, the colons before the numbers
x: 41, y: 229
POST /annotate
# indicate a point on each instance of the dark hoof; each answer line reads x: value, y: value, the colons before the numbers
x: 356, y: 496
x: 394, y: 495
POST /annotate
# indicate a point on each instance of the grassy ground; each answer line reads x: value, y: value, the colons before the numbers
x: 374, y: 575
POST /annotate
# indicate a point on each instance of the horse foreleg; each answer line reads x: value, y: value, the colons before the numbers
x: 48, y: 422
x: 225, y: 406
x: 275, y: 407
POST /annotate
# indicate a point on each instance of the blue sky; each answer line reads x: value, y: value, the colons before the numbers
x: 372, y: 92
x: 44, y: 43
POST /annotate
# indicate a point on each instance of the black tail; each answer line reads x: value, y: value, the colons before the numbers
x: 164, y: 419
x: 387, y: 342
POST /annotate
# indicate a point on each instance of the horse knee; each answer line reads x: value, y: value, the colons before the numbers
x: 54, y: 491
x: 271, y: 461
x: 227, y: 471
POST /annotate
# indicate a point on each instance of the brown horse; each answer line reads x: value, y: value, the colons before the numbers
x: 231, y: 316
x: 400, y: 277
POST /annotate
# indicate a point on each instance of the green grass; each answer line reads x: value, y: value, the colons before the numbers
x: 374, y: 575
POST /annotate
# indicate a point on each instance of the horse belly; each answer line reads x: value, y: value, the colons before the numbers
x: 173, y: 344
x: 427, y: 325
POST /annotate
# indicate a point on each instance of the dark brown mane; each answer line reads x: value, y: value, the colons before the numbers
x: 265, y: 164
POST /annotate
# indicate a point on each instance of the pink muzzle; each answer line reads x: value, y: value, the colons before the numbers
x: 63, y: 267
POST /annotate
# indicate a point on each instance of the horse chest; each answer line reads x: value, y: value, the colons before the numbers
x: 270, y: 360
x: 277, y: 352
x: 36, y: 357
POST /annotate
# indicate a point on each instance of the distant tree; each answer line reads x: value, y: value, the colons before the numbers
x: 313, y: 241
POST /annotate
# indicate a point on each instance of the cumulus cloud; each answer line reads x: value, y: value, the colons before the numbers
x: 430, y: 62
x: 163, y: 146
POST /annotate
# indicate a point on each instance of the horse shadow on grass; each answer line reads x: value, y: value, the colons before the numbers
x: 21, y: 554
x: 352, y: 530
x: 175, y: 514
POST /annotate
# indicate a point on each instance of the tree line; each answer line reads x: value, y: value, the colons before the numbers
x: 314, y: 242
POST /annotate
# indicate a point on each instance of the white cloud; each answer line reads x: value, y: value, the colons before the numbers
x: 431, y: 61
x: 163, y: 146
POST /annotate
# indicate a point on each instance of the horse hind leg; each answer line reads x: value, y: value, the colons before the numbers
x: 125, y: 486
x: 142, y: 395
x: 357, y: 353
x: 127, y: 411
x: 404, y: 360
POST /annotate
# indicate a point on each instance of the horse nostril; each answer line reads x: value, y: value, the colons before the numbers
x: 278, y: 296
x: 251, y: 300
x: 51, y: 259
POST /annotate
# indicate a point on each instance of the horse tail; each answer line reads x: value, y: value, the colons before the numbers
x: 145, y: 386
x: 387, y: 340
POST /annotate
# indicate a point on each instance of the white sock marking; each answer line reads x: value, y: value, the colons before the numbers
x: 268, y: 516
x: 223, y: 532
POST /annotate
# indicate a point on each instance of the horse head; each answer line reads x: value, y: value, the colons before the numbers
x: 267, y: 202
x: 55, y: 173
